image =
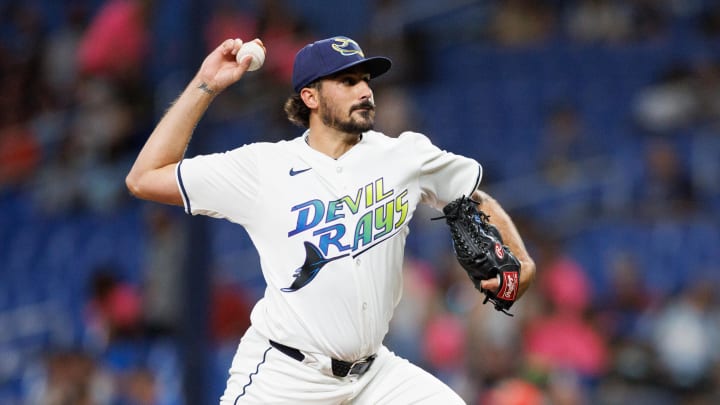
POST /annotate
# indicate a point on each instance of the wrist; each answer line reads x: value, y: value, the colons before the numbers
x: 205, y: 88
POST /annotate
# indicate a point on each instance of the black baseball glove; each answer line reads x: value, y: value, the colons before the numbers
x: 479, y: 249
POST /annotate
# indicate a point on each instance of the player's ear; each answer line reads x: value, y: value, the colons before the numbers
x: 309, y: 96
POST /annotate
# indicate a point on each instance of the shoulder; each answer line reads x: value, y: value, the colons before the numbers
x: 407, y: 138
x: 414, y: 137
x: 267, y: 147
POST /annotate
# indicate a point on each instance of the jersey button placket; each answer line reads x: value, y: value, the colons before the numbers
x: 339, y: 171
x: 364, y: 314
x: 364, y: 304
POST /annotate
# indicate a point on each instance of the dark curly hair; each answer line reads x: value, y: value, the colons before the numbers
x: 296, y: 110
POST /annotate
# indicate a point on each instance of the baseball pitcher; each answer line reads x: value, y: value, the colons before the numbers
x: 328, y: 213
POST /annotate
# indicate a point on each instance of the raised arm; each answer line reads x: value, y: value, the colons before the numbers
x: 152, y: 176
x: 511, y: 237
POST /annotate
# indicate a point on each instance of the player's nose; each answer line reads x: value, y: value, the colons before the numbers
x: 364, y: 90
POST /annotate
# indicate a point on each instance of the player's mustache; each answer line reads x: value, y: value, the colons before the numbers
x: 365, y: 105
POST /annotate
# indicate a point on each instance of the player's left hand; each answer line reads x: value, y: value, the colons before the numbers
x: 479, y: 248
x: 491, y: 284
x: 220, y: 69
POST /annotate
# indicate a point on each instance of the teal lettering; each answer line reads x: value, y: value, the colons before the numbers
x: 333, y: 207
x: 305, y: 219
x: 383, y: 221
x: 331, y: 235
x: 363, y: 231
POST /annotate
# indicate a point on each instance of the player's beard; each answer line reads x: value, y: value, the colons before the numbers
x: 333, y: 118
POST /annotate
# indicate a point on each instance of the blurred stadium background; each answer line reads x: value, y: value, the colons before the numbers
x: 597, y: 123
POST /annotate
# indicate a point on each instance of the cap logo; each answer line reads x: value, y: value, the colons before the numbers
x: 347, y: 47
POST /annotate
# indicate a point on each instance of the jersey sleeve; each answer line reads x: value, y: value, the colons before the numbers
x: 444, y: 176
x: 220, y: 185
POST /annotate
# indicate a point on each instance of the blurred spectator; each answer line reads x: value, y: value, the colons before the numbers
x: 60, y: 61
x: 686, y: 332
x: 518, y: 23
x: 625, y: 308
x: 21, y: 38
x: 604, y: 21
x: 514, y: 392
x: 72, y: 377
x: 650, y: 20
x: 116, y: 41
x: 564, y: 339
x: 229, y: 20
x: 686, y: 96
x: 88, y: 160
x: 566, y: 146
x: 85, y: 122
x: 114, y: 309
x: 403, y: 42
x: 56, y: 189
x: 626, y: 301
x: 419, y: 295
x: 444, y: 345
x: 229, y: 312
x: 397, y: 111
x: 564, y: 281
x: 162, y: 284
x: 283, y: 34
x: 668, y: 104
x: 707, y: 90
x: 492, y: 354
x: 19, y: 154
x: 558, y: 343
x: 103, y: 120
x: 137, y: 387
x: 567, y: 388
x: 665, y: 188
x: 705, y: 168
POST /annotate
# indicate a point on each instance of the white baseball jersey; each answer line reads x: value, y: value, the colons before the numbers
x: 330, y: 233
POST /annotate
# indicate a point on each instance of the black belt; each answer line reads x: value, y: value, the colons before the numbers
x: 340, y: 368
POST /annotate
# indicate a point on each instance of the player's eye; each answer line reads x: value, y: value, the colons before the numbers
x: 352, y: 80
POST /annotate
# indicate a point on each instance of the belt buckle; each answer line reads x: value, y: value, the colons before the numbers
x: 361, y: 366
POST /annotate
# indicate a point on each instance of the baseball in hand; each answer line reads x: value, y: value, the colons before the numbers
x: 256, y: 51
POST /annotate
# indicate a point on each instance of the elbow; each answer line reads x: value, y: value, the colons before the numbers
x: 132, y: 182
x: 528, y: 270
x: 527, y: 273
x: 153, y: 185
x: 528, y: 266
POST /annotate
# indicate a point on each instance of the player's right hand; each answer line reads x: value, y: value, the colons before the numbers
x: 220, y: 69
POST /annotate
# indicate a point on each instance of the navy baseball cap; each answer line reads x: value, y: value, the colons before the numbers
x: 327, y: 56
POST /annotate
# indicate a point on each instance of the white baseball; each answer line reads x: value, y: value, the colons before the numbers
x: 257, y: 52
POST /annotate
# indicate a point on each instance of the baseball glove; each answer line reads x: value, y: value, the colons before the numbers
x: 479, y: 248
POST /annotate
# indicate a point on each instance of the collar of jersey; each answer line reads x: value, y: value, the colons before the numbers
x: 306, y: 135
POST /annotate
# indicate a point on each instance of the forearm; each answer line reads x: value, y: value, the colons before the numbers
x: 511, y: 237
x: 167, y: 143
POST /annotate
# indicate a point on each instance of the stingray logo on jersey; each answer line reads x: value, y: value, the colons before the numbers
x: 353, y: 223
x: 347, y: 47
x: 314, y: 261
